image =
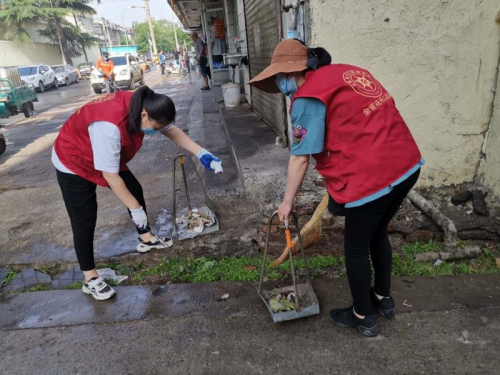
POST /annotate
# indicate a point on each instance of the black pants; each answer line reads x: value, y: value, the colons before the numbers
x: 366, y: 234
x: 162, y: 68
x: 80, y: 199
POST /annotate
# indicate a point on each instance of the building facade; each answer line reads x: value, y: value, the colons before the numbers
x: 438, y: 59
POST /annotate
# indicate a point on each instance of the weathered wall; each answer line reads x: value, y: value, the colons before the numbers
x: 439, y: 60
x: 490, y: 165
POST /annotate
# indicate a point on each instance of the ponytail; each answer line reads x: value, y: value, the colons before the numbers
x: 316, y: 57
x: 158, y: 106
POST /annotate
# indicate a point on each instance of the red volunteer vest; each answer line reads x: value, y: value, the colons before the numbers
x: 367, y: 143
x: 73, y: 146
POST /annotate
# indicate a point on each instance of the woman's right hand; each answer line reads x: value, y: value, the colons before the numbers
x: 139, y: 218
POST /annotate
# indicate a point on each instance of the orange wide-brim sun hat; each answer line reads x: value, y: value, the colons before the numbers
x: 289, y: 56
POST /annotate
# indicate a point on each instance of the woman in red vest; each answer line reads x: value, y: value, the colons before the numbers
x: 349, y: 123
x: 93, y: 148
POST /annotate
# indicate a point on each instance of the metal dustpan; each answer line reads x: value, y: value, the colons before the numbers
x: 206, y: 210
x: 306, y: 302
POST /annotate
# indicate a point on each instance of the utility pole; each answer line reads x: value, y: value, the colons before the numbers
x: 148, y: 15
x: 175, y: 34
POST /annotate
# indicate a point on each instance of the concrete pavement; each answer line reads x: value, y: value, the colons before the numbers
x: 53, y: 98
x: 446, y: 325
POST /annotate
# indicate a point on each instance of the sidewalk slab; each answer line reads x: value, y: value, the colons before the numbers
x: 184, y: 329
x: 72, y: 307
x: 27, y: 278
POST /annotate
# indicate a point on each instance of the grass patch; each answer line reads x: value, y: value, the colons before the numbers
x: 76, y: 285
x: 418, y: 247
x: 39, y: 288
x: 11, y: 275
x: 202, y: 270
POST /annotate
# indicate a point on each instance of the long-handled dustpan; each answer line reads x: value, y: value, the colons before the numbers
x: 204, y: 213
x: 304, y: 298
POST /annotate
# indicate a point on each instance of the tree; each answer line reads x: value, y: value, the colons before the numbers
x: 18, y: 15
x: 164, y: 35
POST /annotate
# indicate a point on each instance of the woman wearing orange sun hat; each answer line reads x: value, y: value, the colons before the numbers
x: 349, y: 123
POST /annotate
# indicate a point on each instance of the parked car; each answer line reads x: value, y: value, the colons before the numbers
x: 85, y: 69
x: 127, y: 73
x: 65, y: 74
x: 40, y: 76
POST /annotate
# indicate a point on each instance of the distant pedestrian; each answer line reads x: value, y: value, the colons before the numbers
x: 93, y: 148
x: 162, y: 58
x: 201, y: 58
x: 349, y: 123
x: 186, y: 59
x: 106, y: 66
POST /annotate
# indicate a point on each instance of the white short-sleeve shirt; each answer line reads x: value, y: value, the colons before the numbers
x: 106, y: 146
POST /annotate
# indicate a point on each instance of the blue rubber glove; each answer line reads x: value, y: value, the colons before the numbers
x: 206, y: 158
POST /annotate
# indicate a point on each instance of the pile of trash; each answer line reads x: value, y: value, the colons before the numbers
x: 193, y: 222
x: 282, y: 300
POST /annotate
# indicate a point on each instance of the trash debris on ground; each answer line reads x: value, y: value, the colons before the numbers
x: 405, y: 304
x: 225, y: 296
x: 109, y: 274
x: 282, y: 300
x: 461, y: 197
x: 193, y: 222
x: 479, y: 204
x: 438, y: 262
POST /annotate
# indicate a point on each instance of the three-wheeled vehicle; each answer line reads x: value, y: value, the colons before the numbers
x: 15, y: 95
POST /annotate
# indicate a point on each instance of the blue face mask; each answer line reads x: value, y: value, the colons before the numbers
x: 149, y: 130
x: 287, y: 86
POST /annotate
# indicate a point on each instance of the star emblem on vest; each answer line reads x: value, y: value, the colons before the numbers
x: 298, y: 134
x: 363, y: 83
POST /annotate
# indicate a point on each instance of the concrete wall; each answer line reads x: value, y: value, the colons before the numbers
x: 438, y: 58
x: 25, y: 54
x: 490, y: 164
x: 38, y: 53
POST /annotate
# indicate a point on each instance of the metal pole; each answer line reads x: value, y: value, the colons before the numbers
x: 123, y: 25
x: 148, y: 14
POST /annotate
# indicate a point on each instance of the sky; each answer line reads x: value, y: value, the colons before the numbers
x: 113, y: 10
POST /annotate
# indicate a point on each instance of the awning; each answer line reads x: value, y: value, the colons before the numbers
x: 188, y: 12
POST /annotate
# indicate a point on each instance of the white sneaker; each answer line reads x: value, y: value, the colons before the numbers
x: 98, y: 288
x: 154, y: 244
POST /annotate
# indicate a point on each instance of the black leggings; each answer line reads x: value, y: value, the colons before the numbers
x: 80, y: 199
x: 366, y: 233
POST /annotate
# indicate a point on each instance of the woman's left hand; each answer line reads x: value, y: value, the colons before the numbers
x: 284, y: 211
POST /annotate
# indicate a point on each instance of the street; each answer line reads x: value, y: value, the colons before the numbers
x: 53, y: 97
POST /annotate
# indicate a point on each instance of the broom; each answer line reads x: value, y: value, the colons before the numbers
x: 310, y: 233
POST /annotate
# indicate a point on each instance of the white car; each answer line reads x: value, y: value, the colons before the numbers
x: 127, y: 73
x: 65, y: 74
x: 40, y: 76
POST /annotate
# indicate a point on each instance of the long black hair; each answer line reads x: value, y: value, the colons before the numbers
x: 316, y: 57
x: 158, y: 106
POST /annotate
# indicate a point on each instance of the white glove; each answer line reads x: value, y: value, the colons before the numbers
x: 139, y: 218
x: 209, y: 161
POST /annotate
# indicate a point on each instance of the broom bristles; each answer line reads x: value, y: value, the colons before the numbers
x: 310, y: 233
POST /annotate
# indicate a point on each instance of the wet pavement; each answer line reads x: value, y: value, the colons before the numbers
x: 53, y: 98
x: 444, y: 325
x: 37, y: 228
